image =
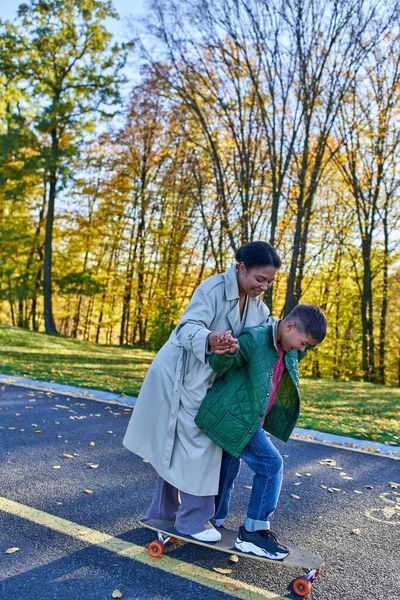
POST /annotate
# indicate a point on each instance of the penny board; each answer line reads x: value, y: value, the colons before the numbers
x: 297, y: 557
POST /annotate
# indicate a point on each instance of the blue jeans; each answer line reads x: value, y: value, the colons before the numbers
x: 264, y: 459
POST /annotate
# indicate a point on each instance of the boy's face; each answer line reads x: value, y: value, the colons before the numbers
x: 293, y: 339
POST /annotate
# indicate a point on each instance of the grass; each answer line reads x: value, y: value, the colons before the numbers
x: 66, y: 360
x: 357, y: 409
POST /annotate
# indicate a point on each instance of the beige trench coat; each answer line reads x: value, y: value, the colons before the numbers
x: 162, y: 428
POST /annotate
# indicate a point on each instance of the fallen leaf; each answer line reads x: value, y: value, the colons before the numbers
x: 347, y: 478
x: 248, y: 487
x: 356, y: 532
x: 88, y: 491
x: 295, y: 497
x: 298, y: 483
x: 393, y: 485
x: 116, y: 594
x: 38, y: 431
x: 223, y: 571
x: 56, y: 467
x: 327, y: 461
x: 335, y: 489
x: 324, y: 487
x: 11, y: 550
x: 234, y: 558
x: 92, y: 444
x: 65, y: 455
x: 109, y: 431
x: 298, y: 475
x: 145, y: 461
x: 231, y: 586
x: 369, y: 487
x: 357, y: 492
x: 92, y: 466
x: 307, y: 474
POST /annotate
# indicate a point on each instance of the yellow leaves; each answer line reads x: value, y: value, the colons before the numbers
x: 92, y: 444
x: 223, y: 571
x: 88, y: 492
x: 116, y: 594
x: 38, y: 431
x: 247, y: 487
x: 295, y: 497
x: 56, y: 467
x: 355, y: 532
x: 231, y: 585
x: 11, y: 550
x: 65, y: 455
x: 92, y: 466
x: 233, y: 558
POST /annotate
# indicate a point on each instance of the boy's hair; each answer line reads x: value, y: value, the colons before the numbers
x: 310, y: 320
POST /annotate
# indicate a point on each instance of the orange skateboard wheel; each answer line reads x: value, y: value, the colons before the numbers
x: 156, y: 549
x: 173, y: 540
x: 301, y: 586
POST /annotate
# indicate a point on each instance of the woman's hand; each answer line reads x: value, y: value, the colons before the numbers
x: 221, y: 342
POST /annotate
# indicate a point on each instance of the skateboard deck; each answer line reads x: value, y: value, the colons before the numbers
x: 297, y: 557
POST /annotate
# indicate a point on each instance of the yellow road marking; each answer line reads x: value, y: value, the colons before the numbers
x: 126, y: 549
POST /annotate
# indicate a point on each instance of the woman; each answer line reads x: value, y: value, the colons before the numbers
x: 162, y: 428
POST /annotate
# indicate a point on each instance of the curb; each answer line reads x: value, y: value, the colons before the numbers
x: 307, y: 435
x: 348, y: 443
x: 69, y: 390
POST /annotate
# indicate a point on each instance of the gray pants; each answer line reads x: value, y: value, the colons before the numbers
x: 191, y: 514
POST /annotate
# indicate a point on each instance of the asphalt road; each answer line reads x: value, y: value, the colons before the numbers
x: 55, y: 563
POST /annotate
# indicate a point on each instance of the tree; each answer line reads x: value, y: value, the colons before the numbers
x: 63, y: 55
x: 368, y: 161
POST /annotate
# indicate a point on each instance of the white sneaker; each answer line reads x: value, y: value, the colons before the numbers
x: 208, y: 535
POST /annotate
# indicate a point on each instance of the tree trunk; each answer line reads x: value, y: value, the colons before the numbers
x: 384, y: 306
x: 50, y: 326
x: 290, y: 302
x: 368, y: 347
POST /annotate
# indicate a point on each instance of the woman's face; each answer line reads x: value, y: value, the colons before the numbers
x: 256, y: 280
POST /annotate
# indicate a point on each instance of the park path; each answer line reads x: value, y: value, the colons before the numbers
x: 340, y: 504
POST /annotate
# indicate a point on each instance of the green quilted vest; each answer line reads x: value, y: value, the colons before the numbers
x: 235, y: 405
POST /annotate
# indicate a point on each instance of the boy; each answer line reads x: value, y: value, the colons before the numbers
x: 258, y: 392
